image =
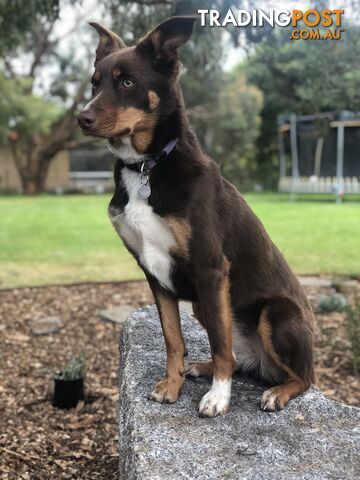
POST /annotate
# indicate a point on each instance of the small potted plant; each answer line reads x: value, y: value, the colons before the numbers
x: 69, y: 383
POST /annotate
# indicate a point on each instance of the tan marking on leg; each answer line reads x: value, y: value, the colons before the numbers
x: 265, y: 332
x: 275, y: 398
x: 182, y: 233
x: 153, y: 100
x: 199, y: 368
x: 168, y: 389
x: 202, y: 367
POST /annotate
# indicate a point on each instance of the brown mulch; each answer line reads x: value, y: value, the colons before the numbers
x: 333, y: 360
x: 38, y: 441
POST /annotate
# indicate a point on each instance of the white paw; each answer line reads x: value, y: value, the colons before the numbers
x: 217, y: 400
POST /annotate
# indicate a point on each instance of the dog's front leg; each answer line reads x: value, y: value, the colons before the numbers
x: 167, y: 390
x: 214, y: 298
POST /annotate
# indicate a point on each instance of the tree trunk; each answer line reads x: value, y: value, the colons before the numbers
x: 33, y: 154
x: 29, y: 186
x: 33, y: 172
x: 35, y: 181
x: 42, y: 172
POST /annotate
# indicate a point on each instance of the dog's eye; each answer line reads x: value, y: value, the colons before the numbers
x: 128, y: 83
x: 94, y: 86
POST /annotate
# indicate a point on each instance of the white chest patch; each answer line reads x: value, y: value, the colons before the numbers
x: 145, y: 232
x: 126, y: 151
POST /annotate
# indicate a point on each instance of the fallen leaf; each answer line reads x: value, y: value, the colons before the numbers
x: 85, y: 422
x: 17, y: 337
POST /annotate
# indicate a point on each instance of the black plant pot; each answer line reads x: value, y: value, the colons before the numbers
x: 67, y: 393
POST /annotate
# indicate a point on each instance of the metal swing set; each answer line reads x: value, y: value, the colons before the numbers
x: 320, y: 154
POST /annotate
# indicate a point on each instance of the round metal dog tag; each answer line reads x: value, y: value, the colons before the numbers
x: 144, y: 191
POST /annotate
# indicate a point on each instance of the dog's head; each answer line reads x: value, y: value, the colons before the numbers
x: 134, y: 87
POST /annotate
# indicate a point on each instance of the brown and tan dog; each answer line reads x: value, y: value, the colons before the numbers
x: 191, y: 232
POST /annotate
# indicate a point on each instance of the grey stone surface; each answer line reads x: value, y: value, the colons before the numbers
x: 117, y: 314
x: 313, y: 438
x: 186, y: 307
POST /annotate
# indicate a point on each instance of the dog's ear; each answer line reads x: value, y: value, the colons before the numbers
x: 162, y: 43
x: 109, y: 42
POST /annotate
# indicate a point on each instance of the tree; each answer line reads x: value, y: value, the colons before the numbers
x: 41, y: 93
x: 40, y: 98
x: 302, y: 77
x: 39, y: 119
x: 232, y: 127
x: 18, y: 16
x: 235, y: 128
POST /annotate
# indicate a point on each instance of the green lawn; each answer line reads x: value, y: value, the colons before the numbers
x: 51, y: 239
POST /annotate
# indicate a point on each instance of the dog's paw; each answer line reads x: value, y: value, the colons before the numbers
x: 198, y: 368
x: 217, y: 400
x: 166, y: 391
x: 191, y: 369
x: 272, y: 400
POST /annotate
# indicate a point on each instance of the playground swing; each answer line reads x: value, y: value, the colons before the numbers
x: 324, y: 154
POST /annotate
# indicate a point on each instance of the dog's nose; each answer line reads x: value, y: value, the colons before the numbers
x: 86, y: 118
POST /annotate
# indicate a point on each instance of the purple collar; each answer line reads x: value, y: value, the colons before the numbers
x: 150, y: 162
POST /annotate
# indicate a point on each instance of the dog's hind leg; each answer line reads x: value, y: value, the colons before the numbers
x: 275, y: 398
x: 287, y: 337
x: 198, y: 368
x: 197, y: 314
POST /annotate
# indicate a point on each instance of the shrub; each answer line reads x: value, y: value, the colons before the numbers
x: 334, y: 302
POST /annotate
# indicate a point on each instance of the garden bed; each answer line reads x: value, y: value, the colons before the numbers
x: 38, y: 441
